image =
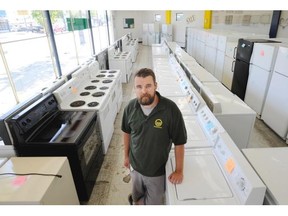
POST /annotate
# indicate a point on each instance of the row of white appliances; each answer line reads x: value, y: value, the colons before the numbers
x: 235, y: 116
x: 151, y: 34
x: 92, y: 89
x: 217, y: 174
x: 236, y: 182
x: 215, y: 50
x: 121, y: 61
x: 130, y: 45
x: 275, y: 109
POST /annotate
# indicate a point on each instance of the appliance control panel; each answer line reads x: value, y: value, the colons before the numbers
x: 193, y: 99
x: 210, y: 124
x: 35, y: 112
x: 239, y: 181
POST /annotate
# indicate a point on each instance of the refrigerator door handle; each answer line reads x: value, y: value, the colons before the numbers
x: 234, y: 53
x: 232, y: 66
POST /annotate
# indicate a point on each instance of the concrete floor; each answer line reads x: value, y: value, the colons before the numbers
x: 113, y: 183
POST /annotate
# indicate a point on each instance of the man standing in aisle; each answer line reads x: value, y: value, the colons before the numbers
x: 151, y: 123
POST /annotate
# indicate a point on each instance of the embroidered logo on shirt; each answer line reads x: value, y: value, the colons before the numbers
x: 158, y: 123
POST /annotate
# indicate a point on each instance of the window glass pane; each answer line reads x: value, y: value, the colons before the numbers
x: 30, y: 64
x: 110, y: 26
x: 26, y: 51
x: 7, y: 99
x: 72, y: 36
x: 157, y: 17
x: 100, y: 32
x: 179, y: 16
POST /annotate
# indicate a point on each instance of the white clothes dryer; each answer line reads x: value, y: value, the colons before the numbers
x: 235, y: 116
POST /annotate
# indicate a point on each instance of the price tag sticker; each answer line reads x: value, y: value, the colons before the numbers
x: 230, y: 165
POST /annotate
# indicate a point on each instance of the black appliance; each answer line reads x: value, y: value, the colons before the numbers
x: 43, y: 130
x: 241, y: 67
x: 4, y: 130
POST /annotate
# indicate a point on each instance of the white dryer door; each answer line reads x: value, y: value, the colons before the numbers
x: 203, y: 179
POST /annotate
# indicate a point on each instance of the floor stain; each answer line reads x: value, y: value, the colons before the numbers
x: 127, y: 178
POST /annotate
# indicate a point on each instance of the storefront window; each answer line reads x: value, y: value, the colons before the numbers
x: 100, y: 32
x: 25, y: 50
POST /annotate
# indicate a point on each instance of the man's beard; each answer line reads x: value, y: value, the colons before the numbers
x: 146, y: 99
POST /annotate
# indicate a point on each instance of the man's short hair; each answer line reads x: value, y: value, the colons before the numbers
x: 145, y: 72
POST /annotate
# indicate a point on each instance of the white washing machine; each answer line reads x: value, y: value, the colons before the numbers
x: 271, y: 164
x: 235, y: 116
x: 201, y: 73
x: 219, y: 175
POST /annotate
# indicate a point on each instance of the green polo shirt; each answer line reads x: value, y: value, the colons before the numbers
x: 151, y: 136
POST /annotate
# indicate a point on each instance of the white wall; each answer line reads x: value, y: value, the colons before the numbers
x: 140, y: 17
x: 245, y: 21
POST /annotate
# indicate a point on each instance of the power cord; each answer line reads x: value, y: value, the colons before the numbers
x: 24, y: 174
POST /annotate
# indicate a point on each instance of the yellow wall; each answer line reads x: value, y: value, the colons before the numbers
x: 168, y: 16
x: 207, y: 19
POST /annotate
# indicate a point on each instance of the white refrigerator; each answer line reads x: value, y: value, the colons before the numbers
x: 275, y: 110
x: 260, y: 71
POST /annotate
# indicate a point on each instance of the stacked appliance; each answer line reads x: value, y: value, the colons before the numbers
x: 151, y: 34
x: 229, y: 61
x: 167, y: 32
x: 260, y: 72
x: 275, y: 110
x: 242, y: 63
x: 210, y: 52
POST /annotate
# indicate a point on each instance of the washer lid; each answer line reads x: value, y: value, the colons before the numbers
x: 203, y: 179
x: 194, y: 130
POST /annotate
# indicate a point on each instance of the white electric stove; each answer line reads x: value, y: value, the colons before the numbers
x: 123, y: 62
x: 82, y: 94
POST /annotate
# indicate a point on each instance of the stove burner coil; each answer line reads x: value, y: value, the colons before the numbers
x: 110, y: 75
x: 84, y: 93
x: 98, y: 94
x: 90, y: 87
x: 100, y: 75
x: 103, y: 71
x: 107, y: 81
x: 104, y: 88
x: 95, y: 81
x: 92, y: 104
x: 112, y: 71
x: 77, y: 103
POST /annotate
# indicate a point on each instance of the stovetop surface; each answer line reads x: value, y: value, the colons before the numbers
x: 93, y: 94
